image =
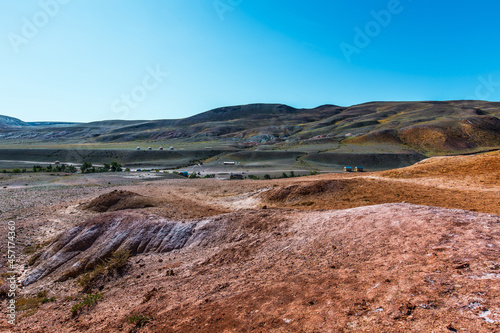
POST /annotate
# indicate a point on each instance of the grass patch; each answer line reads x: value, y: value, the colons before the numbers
x: 89, y: 301
x: 48, y: 300
x: 31, y: 304
x: 30, y: 249
x: 34, y: 258
x: 30, y: 312
x: 139, y: 320
x: 114, y: 263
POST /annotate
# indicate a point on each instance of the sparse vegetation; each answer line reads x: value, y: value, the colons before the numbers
x: 114, y: 263
x: 57, y: 168
x: 88, y: 302
x: 31, y: 304
x: 48, y: 300
x: 139, y: 320
x: 87, y: 167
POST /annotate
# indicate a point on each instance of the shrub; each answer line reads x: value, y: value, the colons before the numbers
x: 118, y: 260
x: 89, y: 301
x: 139, y: 320
x: 16, y: 170
x: 114, y: 263
x: 284, y: 175
x: 254, y: 177
x: 47, y: 300
x: 267, y: 176
x: 313, y: 172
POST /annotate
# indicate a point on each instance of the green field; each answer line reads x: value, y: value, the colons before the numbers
x: 244, y: 160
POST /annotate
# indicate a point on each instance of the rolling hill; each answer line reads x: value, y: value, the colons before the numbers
x: 431, y: 128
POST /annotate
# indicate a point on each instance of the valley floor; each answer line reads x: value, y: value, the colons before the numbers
x: 412, y: 249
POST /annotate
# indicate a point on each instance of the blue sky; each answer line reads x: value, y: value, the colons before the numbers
x: 85, y: 60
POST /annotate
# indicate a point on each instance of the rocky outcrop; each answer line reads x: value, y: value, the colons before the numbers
x: 82, y: 247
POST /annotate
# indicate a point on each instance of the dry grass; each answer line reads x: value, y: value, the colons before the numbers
x: 114, y: 263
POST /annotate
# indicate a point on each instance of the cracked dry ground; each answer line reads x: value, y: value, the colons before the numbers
x: 330, y: 253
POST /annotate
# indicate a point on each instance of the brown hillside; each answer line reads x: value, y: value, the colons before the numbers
x: 484, y: 168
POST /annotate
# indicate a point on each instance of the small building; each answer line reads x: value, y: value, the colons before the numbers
x: 348, y: 169
x: 229, y: 163
x: 161, y: 148
x: 138, y: 148
x: 358, y: 169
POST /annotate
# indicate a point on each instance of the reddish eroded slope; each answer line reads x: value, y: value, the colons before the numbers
x: 384, y: 268
x: 482, y: 168
x: 464, y: 182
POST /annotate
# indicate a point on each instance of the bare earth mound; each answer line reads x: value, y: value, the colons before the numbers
x: 355, y: 192
x: 383, y: 268
x: 119, y: 200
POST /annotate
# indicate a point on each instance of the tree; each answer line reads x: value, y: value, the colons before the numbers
x: 284, y: 175
x: 86, y: 166
x: 116, y: 167
x: 267, y: 176
x: 292, y: 174
x: 71, y: 168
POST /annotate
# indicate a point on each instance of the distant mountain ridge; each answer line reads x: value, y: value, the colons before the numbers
x: 7, y: 121
x: 426, y: 127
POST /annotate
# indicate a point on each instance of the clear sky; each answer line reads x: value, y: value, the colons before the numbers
x: 85, y: 60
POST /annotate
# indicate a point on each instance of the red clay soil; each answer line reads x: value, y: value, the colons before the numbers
x: 119, y: 200
x: 385, y: 268
x: 482, y: 168
x: 350, y: 193
x: 330, y: 253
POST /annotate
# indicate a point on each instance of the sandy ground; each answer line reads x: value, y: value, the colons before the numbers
x: 414, y: 249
